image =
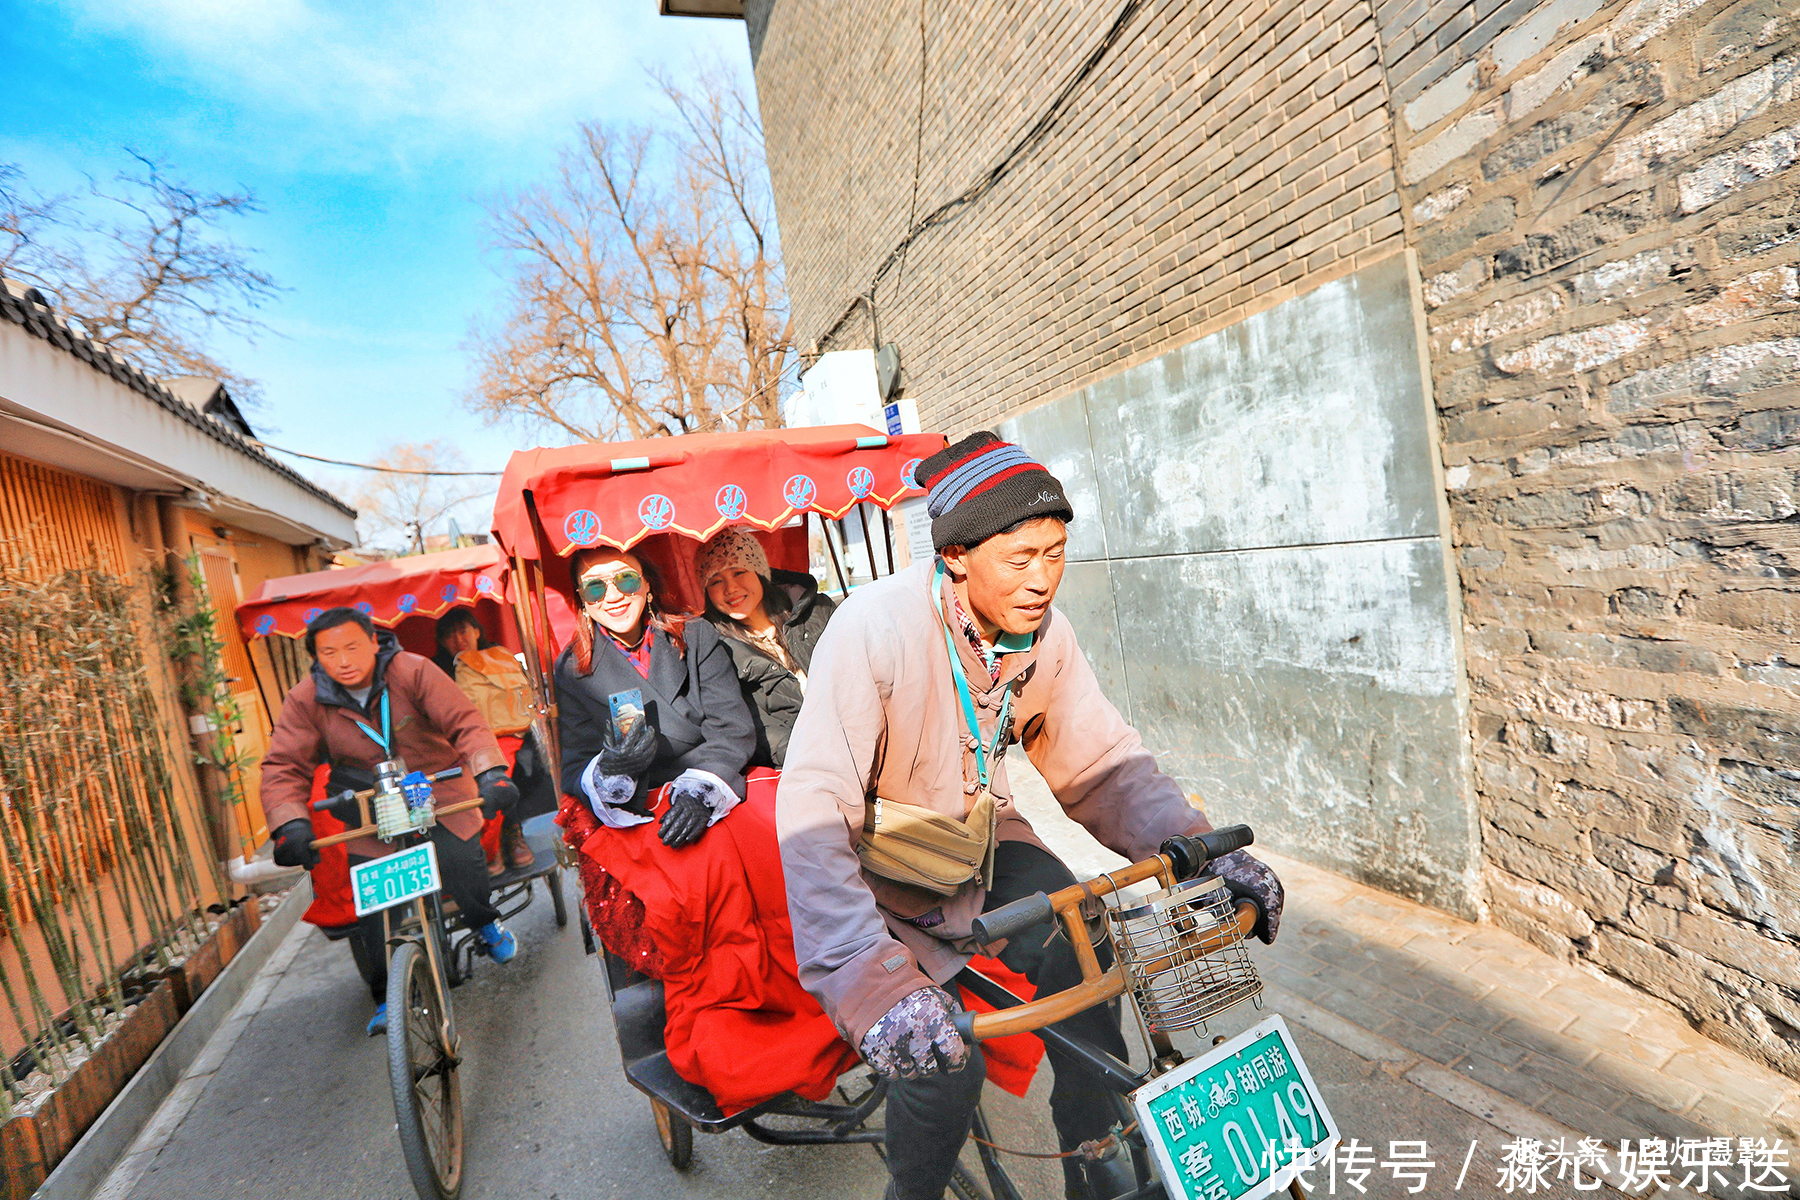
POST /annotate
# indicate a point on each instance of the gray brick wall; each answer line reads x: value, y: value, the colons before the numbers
x: 1602, y: 198
x: 1221, y: 159
x: 1608, y: 235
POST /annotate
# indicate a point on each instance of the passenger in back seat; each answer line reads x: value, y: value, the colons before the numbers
x: 771, y: 621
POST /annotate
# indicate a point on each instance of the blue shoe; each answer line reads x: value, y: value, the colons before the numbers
x: 501, y: 945
x: 378, y: 1022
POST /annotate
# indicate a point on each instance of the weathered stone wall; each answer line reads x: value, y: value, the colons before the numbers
x: 1602, y: 201
x: 1222, y: 158
x: 1608, y: 230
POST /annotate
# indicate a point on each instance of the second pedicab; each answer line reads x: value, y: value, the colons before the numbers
x: 431, y: 948
x: 1179, y: 952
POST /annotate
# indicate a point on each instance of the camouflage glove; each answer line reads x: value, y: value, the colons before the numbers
x: 916, y: 1037
x: 1251, y: 879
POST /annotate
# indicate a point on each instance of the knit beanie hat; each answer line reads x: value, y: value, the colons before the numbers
x: 733, y: 546
x: 982, y: 485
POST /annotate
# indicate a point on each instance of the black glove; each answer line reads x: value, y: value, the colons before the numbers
x: 294, y: 845
x: 1251, y: 879
x: 498, y: 792
x: 631, y: 753
x: 687, y: 818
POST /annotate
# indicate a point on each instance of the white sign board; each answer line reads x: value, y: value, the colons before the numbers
x: 838, y: 389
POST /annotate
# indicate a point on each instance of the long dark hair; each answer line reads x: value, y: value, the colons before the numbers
x: 776, y: 603
x: 673, y: 624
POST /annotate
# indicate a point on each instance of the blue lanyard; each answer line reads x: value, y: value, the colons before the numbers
x: 997, y: 749
x: 380, y: 739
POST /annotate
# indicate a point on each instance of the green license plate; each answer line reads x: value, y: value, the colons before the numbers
x: 1239, y: 1122
x: 384, y: 882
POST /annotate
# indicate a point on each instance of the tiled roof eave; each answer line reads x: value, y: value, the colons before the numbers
x: 46, y: 325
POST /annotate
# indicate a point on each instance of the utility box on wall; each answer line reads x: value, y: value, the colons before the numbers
x: 1259, y: 572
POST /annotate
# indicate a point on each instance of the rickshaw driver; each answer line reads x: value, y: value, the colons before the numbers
x: 367, y: 700
x: 917, y: 687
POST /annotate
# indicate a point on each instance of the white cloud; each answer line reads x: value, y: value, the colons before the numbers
x: 411, y: 78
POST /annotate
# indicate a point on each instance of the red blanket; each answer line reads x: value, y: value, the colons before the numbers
x: 711, y: 922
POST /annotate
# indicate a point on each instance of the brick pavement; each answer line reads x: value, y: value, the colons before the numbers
x: 1447, y: 1002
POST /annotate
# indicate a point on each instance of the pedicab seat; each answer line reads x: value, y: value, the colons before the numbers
x: 639, y: 1019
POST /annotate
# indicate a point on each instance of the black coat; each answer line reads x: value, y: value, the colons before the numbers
x: 692, y: 700
x: 772, y: 691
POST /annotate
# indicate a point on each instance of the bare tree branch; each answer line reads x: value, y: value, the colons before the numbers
x: 646, y: 290
x: 399, y: 512
x: 140, y: 270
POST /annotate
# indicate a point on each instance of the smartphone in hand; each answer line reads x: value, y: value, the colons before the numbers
x: 627, y: 709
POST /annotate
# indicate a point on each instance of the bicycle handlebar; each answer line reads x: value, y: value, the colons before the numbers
x: 325, y: 802
x: 1187, y: 855
x: 1009, y: 920
x: 369, y: 830
x: 1182, y: 857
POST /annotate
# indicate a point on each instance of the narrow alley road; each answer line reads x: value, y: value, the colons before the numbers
x: 550, y: 1115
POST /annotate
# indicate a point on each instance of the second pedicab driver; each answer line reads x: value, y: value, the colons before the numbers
x: 367, y: 701
x: 917, y: 687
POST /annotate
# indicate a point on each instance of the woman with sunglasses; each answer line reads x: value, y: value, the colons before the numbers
x: 692, y: 732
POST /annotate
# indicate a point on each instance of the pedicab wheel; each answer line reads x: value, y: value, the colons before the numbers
x: 422, y: 1071
x: 556, y: 898
x: 676, y: 1135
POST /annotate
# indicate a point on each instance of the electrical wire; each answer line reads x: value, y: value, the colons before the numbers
x: 1039, y: 130
x: 338, y: 462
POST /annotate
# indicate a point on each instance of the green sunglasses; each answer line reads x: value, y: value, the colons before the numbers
x: 628, y: 582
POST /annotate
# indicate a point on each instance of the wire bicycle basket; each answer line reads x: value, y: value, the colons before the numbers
x: 1183, y: 955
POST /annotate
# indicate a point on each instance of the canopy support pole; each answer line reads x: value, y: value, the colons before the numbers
x: 887, y: 536
x: 825, y: 531
x: 862, y: 512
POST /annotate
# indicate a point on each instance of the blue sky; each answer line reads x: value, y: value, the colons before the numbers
x: 371, y: 133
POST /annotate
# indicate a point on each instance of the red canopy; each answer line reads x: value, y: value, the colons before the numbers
x: 420, y: 585
x: 692, y: 486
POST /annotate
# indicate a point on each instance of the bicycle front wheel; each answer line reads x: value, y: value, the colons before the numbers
x: 422, y: 1070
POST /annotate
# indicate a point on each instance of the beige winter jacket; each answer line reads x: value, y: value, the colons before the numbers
x: 882, y: 718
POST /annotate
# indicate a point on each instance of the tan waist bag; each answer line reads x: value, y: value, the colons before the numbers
x: 495, y: 683
x: 926, y: 849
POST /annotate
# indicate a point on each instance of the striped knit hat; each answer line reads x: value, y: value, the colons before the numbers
x: 983, y: 485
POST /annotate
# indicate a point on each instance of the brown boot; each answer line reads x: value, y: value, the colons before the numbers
x: 513, y: 849
x: 497, y: 865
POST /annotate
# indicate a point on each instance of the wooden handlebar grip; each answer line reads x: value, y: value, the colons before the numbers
x: 369, y: 830
x: 1059, y: 1006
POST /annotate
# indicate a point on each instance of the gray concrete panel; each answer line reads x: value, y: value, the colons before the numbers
x: 1265, y: 594
x: 1303, y: 424
x: 1086, y: 599
x: 1057, y: 436
x: 1308, y: 693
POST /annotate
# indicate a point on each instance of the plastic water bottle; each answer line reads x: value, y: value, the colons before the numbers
x: 420, y: 803
x: 392, y: 816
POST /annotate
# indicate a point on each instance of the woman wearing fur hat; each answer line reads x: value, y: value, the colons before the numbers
x: 771, y: 621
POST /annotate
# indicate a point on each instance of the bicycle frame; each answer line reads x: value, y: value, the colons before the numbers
x: 429, y: 918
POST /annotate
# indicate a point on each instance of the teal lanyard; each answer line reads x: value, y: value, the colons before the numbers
x: 380, y: 739
x: 997, y: 749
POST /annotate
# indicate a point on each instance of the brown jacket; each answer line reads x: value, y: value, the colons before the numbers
x: 882, y: 718
x: 432, y: 725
